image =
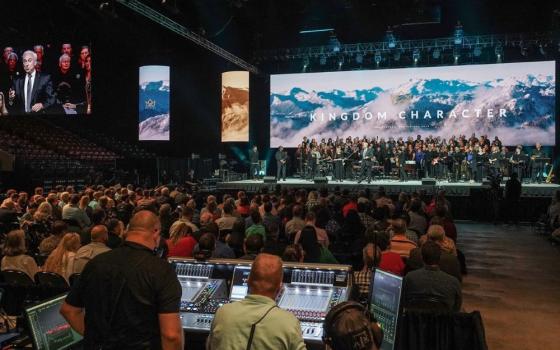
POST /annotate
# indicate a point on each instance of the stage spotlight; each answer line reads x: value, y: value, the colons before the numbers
x: 416, y: 56
x: 323, y: 60
x: 340, y: 62
x: 359, y: 58
x: 334, y: 43
x: 390, y: 38
x: 499, y: 51
x: 305, y: 64
x: 477, y: 51
x: 458, y: 34
x: 436, y: 53
x: 377, y: 57
x: 456, y: 55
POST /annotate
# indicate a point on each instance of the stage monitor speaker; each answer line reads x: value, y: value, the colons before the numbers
x: 320, y: 180
x: 269, y: 180
x: 428, y: 181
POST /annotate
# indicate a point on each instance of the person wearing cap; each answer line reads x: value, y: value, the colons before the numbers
x: 429, y: 282
x: 448, y: 262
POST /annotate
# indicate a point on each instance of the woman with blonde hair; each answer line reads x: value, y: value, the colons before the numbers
x: 3, y: 109
x: 61, y: 260
x: 15, y: 257
x: 181, y: 242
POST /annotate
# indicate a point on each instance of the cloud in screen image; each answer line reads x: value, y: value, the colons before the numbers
x: 153, y: 103
x: 235, y: 106
x: 515, y: 101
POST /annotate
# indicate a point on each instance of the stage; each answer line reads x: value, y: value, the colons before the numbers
x: 392, y: 187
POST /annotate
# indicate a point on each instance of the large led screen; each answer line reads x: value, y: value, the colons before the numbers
x: 46, y: 78
x: 235, y: 106
x: 514, y: 101
x: 153, y: 103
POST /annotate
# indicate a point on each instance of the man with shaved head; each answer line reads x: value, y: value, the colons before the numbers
x: 99, y: 237
x: 128, y: 298
x: 256, y: 322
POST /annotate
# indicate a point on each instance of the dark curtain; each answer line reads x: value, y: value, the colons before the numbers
x: 441, y: 331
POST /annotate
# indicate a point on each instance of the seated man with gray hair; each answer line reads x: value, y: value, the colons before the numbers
x: 99, y: 237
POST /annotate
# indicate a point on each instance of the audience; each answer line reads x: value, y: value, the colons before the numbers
x: 322, y: 236
x: 400, y: 243
x: 62, y: 258
x: 362, y: 279
x: 430, y: 284
x: 252, y: 247
x: 15, y: 257
x: 99, y: 237
x: 181, y: 242
x: 256, y: 228
x: 49, y: 244
x: 313, y: 251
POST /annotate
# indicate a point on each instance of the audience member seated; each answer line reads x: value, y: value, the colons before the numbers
x: 322, y: 236
x: 429, y: 283
x: 49, y: 244
x: 362, y: 278
x: 418, y: 222
x: 99, y: 236
x: 271, y: 221
x: 436, y: 231
x: 443, y: 218
x: 116, y: 232
x: 448, y: 262
x: 390, y: 261
x: 73, y: 212
x: 227, y: 220
x: 313, y: 252
x: 233, y: 325
x: 8, y: 214
x: 400, y: 243
x: 181, y: 242
x: 98, y: 217
x: 61, y: 260
x: 348, y: 327
x: 257, y: 228
x: 15, y: 257
x: 252, y: 247
x: 296, y: 223
x: 293, y: 253
x: 209, y: 244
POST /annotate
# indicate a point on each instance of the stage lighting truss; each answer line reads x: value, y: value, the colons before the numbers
x: 414, y: 48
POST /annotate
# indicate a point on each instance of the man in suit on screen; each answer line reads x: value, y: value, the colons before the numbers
x: 32, y: 93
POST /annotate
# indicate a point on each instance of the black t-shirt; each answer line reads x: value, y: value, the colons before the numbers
x: 123, y: 291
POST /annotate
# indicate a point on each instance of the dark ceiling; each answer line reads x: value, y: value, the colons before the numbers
x: 243, y: 26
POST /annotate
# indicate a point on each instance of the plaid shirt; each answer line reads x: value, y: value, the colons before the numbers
x: 366, y: 220
x: 362, y: 279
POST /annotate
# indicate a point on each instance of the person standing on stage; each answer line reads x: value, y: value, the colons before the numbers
x: 366, y: 156
x: 519, y: 159
x: 537, y: 164
x: 420, y: 158
x: 338, y: 163
x: 254, y: 160
x: 470, y: 157
x: 401, y: 160
x: 281, y: 160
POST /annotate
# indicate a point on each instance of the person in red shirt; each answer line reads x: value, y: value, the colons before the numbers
x: 390, y: 261
x: 181, y: 242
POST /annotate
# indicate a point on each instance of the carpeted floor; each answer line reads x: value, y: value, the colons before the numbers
x: 514, y: 281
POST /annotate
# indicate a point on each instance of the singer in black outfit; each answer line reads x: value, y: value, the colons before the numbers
x: 254, y: 160
x: 281, y: 160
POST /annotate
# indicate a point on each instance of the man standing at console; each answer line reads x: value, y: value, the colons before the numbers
x: 281, y: 160
x: 32, y: 93
x: 256, y: 322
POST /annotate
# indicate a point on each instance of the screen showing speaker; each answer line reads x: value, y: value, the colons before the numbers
x: 153, y: 103
x: 514, y: 101
x: 46, y: 78
x: 235, y: 106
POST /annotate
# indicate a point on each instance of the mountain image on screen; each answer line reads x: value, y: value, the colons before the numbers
x: 235, y: 114
x: 528, y: 101
x: 154, y: 110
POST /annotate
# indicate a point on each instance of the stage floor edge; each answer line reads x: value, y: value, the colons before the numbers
x: 391, y: 186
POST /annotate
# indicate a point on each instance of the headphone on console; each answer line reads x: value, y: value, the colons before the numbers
x: 365, y: 335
